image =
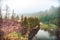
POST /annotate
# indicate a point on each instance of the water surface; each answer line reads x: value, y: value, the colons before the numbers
x: 44, y: 35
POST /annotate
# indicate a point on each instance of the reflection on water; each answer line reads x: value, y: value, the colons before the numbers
x: 44, y: 35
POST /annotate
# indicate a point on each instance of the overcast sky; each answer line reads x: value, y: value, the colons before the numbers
x: 29, y: 6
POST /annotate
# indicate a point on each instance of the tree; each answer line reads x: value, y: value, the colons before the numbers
x: 0, y: 10
x: 34, y: 27
x: 0, y: 17
x: 17, y: 17
x: 33, y: 21
x: 13, y: 14
x: 25, y: 22
x: 7, y: 14
x: 22, y: 18
x: 58, y: 18
x: 0, y: 14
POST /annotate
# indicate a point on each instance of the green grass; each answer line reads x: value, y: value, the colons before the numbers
x: 48, y: 26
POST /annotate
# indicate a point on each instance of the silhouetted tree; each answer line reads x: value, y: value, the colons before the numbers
x: 22, y: 18
x: 0, y: 18
x: 7, y: 14
x: 25, y: 21
x: 0, y: 14
x: 13, y: 15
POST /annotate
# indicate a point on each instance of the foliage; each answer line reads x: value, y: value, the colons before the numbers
x: 48, y: 26
x: 44, y: 26
x: 30, y: 22
x: 50, y: 16
x: 52, y: 26
x: 15, y: 35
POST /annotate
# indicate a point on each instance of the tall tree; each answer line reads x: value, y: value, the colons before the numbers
x: 0, y: 10
x: 17, y: 17
x: 0, y: 17
x: 22, y: 18
x: 13, y: 15
x: 7, y: 14
x: 0, y: 14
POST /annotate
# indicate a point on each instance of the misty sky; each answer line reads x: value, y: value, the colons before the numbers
x: 29, y: 6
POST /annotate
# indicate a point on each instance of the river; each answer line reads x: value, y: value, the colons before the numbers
x: 44, y: 35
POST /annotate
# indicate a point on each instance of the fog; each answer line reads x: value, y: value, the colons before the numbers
x: 29, y: 6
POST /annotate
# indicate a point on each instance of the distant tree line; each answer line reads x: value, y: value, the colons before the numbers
x: 50, y: 16
x: 7, y: 14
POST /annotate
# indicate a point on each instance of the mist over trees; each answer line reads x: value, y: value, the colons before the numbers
x: 50, y: 16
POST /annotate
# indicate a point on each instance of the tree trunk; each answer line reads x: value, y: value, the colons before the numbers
x: 33, y: 32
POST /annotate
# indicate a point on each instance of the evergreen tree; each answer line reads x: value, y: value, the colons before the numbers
x: 13, y: 14
x: 6, y: 16
x: 17, y: 17
x: 22, y: 18
x: 25, y: 21
x: 0, y: 18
